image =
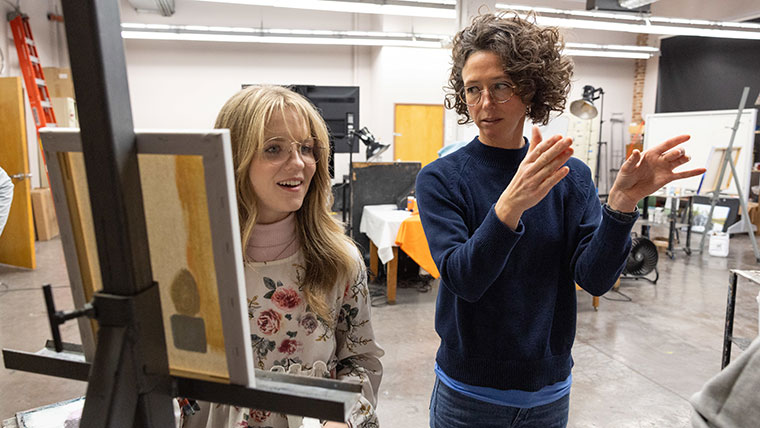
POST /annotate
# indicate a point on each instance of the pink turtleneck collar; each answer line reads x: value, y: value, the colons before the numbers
x: 274, y: 241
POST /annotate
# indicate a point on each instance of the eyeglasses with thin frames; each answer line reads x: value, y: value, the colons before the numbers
x: 500, y: 92
x: 277, y: 150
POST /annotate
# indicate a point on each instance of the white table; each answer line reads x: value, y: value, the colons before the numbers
x: 381, y: 224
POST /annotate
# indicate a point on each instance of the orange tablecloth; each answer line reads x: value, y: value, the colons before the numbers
x: 411, y: 239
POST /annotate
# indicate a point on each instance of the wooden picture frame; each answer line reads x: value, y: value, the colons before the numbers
x: 191, y: 218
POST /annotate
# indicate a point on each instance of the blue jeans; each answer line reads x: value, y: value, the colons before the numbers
x: 450, y: 409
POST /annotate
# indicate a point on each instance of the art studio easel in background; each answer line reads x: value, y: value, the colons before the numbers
x: 727, y: 160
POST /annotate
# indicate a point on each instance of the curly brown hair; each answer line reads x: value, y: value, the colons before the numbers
x: 531, y: 56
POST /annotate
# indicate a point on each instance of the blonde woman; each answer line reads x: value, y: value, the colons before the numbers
x: 308, y: 301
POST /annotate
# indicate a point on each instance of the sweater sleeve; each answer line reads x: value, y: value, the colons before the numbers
x: 469, y: 265
x: 357, y: 351
x: 6, y: 197
x: 603, y: 246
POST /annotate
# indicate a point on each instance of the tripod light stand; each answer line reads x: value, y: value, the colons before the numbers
x: 585, y: 109
x: 374, y: 150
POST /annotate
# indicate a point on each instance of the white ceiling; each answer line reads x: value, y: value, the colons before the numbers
x: 191, y: 12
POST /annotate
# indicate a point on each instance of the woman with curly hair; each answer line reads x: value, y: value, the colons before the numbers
x: 308, y: 301
x: 513, y: 224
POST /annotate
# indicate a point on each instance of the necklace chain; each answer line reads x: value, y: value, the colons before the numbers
x: 277, y: 257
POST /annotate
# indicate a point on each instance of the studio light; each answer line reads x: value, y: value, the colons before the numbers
x: 585, y: 109
x: 374, y: 148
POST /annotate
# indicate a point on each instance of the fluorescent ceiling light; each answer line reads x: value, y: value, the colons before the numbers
x: 609, y: 51
x: 202, y: 33
x: 262, y: 35
x: 430, y: 9
x: 630, y: 48
x: 633, y: 4
x: 635, y: 23
x: 607, y: 54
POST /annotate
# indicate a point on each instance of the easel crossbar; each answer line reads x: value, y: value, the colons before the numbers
x: 277, y: 392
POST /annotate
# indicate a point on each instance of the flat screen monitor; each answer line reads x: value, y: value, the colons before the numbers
x: 339, y: 106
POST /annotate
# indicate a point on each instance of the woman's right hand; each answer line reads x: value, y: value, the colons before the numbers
x: 540, y: 171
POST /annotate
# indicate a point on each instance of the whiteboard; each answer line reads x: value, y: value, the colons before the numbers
x: 708, y: 129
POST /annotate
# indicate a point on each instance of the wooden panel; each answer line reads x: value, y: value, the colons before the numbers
x: 419, y: 132
x: 187, y: 180
x: 74, y: 181
x: 180, y: 247
x: 17, y: 242
x: 182, y: 262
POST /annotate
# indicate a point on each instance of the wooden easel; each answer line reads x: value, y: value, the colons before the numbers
x: 129, y: 384
x: 728, y: 160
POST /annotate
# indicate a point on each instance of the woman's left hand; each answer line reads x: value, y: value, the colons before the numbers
x: 644, y: 173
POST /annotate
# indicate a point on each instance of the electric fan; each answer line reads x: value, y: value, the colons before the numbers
x: 642, y: 259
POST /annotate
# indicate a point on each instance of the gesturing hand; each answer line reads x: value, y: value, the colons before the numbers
x: 643, y: 173
x: 537, y: 174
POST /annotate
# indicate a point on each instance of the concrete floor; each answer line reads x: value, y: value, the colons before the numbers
x: 637, y: 362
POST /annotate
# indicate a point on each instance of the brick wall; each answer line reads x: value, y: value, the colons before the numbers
x: 639, y: 74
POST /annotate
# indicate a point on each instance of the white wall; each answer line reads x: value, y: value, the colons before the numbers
x: 183, y: 84
x: 405, y: 76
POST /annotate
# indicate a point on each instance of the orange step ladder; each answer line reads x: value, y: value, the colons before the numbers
x: 34, y: 78
x: 31, y: 69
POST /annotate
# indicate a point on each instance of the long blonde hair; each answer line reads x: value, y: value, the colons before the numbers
x: 326, y: 249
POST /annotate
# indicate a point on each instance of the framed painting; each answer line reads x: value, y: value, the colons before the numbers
x: 191, y: 218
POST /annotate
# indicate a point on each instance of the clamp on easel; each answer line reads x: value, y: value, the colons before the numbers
x: 56, y: 318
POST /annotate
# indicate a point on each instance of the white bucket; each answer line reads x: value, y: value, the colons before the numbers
x: 718, y: 244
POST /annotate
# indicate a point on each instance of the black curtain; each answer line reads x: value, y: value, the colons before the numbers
x: 701, y: 73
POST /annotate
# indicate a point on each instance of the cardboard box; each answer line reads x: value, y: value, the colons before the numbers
x: 65, y: 110
x: 59, y: 82
x: 754, y: 215
x: 45, y: 220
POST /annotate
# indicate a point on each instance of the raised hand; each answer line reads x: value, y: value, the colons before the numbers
x: 643, y: 173
x: 537, y: 174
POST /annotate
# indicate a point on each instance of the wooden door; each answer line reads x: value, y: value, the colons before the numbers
x: 418, y: 132
x: 17, y: 240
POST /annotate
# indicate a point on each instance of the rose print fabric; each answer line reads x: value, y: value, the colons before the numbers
x: 287, y: 335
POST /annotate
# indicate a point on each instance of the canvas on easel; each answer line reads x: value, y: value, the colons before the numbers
x: 194, y: 240
x: 717, y: 157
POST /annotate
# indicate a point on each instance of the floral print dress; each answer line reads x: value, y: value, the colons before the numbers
x: 287, y: 336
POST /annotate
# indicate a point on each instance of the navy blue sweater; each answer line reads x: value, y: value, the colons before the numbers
x: 506, y: 307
